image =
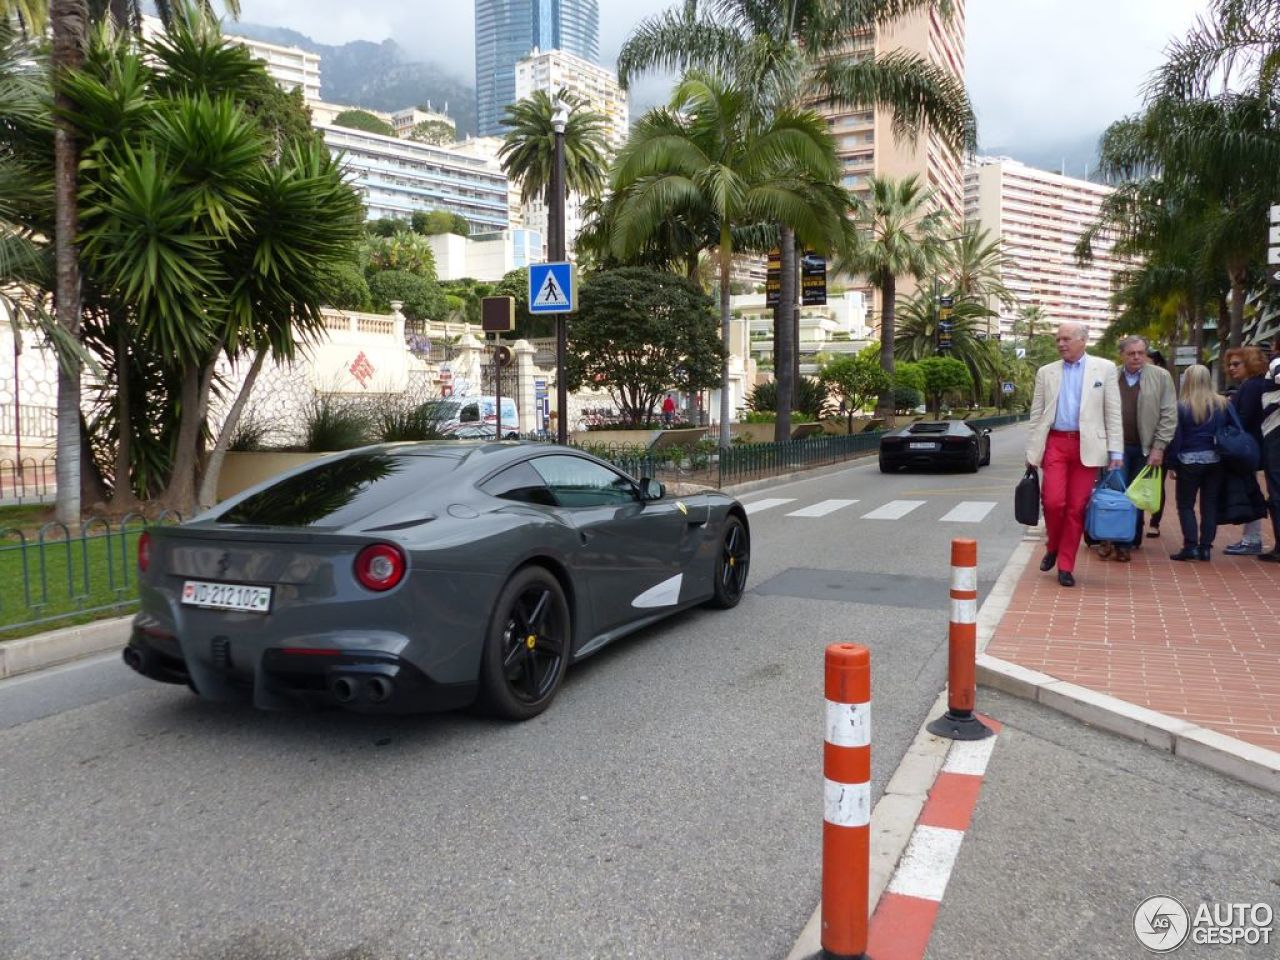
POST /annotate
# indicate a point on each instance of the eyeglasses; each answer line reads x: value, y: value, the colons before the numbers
x: 1234, y: 363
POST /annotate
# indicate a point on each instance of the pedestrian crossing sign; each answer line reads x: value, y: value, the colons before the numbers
x: 551, y: 288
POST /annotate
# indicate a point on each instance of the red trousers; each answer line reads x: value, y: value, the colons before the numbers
x: 1065, y: 486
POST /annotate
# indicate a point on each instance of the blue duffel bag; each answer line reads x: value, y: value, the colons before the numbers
x: 1110, y: 515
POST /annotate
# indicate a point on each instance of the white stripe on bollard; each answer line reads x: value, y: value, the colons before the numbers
x: 846, y: 804
x: 964, y: 611
x: 848, y: 724
x: 964, y: 578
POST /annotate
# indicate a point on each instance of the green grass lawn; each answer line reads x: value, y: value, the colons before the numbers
x: 51, y: 581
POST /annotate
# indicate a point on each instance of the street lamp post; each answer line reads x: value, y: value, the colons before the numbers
x: 556, y: 254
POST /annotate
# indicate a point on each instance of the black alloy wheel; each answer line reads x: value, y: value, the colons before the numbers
x: 974, y: 461
x: 527, y: 648
x: 732, y: 564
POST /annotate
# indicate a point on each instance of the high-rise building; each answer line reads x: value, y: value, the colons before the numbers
x: 1039, y: 217
x: 865, y: 138
x: 553, y: 70
x: 507, y: 30
x: 398, y: 178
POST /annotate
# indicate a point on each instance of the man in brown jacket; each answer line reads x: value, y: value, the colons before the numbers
x: 1149, y: 411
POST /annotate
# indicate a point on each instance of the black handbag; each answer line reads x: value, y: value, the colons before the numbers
x: 1026, y: 498
x: 1237, y: 448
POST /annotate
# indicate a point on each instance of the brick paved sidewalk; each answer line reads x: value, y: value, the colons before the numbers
x: 1199, y: 641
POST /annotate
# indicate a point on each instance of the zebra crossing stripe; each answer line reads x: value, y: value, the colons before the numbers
x: 759, y: 505
x: 822, y: 509
x: 969, y: 511
x: 893, y: 510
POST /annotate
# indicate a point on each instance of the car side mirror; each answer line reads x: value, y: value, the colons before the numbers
x: 986, y: 431
x: 651, y: 489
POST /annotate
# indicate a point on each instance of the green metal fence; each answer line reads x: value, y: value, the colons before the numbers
x: 52, y: 577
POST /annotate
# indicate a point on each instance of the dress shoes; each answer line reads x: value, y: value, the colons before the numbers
x: 1066, y: 579
x: 1187, y: 553
x: 1050, y: 559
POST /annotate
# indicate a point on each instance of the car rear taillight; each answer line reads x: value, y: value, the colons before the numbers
x: 144, y: 551
x: 955, y: 441
x: 380, y: 566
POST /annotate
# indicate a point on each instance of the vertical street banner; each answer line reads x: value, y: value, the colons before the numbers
x: 946, y: 325
x: 813, y: 279
x: 773, y: 278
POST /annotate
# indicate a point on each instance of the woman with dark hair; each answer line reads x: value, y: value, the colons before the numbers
x: 1247, y: 366
x: 1201, y: 413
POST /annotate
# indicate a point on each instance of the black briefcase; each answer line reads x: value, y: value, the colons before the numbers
x: 1026, y: 498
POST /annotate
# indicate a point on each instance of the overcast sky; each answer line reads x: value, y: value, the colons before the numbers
x: 1039, y: 71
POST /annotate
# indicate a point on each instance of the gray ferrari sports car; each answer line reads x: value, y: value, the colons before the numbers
x: 935, y: 443
x: 420, y: 576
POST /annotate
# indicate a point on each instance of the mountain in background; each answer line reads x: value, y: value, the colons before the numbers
x: 376, y: 76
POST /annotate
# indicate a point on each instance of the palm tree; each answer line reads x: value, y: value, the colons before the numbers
x: 1235, y: 46
x: 916, y: 336
x: 528, y: 150
x: 792, y: 54
x: 200, y: 241
x: 68, y: 22
x: 1198, y: 178
x: 975, y: 265
x: 899, y: 228
x: 708, y: 157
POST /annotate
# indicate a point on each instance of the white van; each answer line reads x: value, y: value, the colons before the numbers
x: 479, y: 412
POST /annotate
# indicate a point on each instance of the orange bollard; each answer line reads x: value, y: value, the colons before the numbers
x: 959, y: 722
x: 846, y: 823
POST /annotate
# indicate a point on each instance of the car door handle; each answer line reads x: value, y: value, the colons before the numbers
x: 584, y: 536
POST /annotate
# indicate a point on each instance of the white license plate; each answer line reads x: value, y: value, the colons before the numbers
x: 923, y: 446
x: 226, y: 596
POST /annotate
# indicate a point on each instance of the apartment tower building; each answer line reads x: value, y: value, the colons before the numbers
x: 1039, y: 217
x: 507, y: 30
x: 865, y: 137
x: 551, y: 71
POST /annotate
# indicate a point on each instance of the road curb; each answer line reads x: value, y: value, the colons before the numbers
x: 60, y: 646
x: 1255, y: 765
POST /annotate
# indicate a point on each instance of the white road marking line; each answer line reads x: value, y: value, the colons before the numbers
x: 969, y: 756
x: 926, y: 865
x: 766, y: 504
x: 893, y: 510
x: 969, y: 511
x: 822, y: 509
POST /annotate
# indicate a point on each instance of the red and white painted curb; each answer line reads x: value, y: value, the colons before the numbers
x: 904, y: 917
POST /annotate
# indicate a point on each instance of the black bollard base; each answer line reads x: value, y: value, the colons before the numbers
x: 960, y: 726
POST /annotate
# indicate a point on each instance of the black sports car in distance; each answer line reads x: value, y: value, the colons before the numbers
x: 935, y: 443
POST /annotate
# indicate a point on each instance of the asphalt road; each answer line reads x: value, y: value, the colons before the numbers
x: 668, y: 805
x: 1074, y: 828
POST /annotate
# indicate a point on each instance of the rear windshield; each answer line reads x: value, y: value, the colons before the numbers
x: 927, y: 427
x: 341, y: 492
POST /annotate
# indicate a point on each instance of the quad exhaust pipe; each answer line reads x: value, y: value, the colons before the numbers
x: 133, y: 658
x: 343, y: 689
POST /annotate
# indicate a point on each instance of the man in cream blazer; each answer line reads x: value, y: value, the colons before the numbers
x: 1076, y: 428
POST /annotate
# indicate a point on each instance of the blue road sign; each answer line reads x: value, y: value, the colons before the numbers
x: 551, y: 288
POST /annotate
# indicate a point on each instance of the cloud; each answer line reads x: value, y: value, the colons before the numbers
x: 1038, y: 70
x: 1050, y: 70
